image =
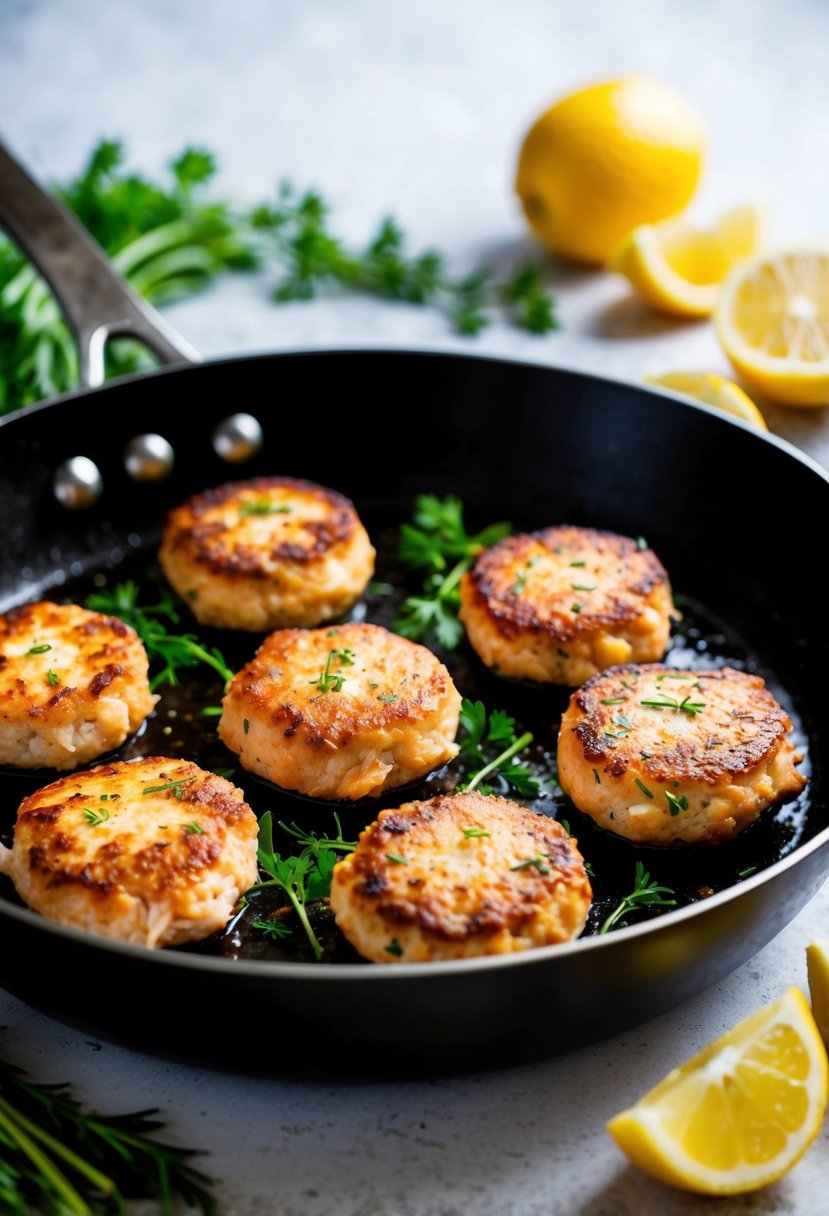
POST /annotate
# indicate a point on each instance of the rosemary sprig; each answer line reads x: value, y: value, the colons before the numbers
x: 60, y: 1160
x: 645, y: 894
x: 439, y: 544
x: 151, y: 622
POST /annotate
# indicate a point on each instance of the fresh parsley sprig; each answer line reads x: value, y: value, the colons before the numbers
x: 645, y: 894
x: 313, y: 259
x: 490, y: 747
x: 58, y: 1159
x: 439, y: 544
x: 151, y: 622
x: 304, y: 877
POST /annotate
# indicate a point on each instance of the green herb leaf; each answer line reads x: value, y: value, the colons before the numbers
x: 52, y: 677
x: 675, y: 805
x: 538, y: 862
x: 326, y: 682
x: 40, y: 648
x: 491, y: 746
x: 394, y: 948
x: 172, y: 651
x: 263, y: 506
x: 475, y: 833
x: 397, y: 859
x: 645, y: 894
x: 96, y: 817
x: 176, y: 786
x: 439, y: 544
x: 193, y: 829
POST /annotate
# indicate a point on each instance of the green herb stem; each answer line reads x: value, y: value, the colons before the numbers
x: 523, y: 741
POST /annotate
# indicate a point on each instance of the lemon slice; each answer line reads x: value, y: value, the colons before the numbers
x: 817, y: 960
x: 772, y: 318
x: 713, y: 390
x: 741, y: 1112
x: 678, y: 269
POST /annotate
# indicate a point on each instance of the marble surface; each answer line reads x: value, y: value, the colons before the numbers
x: 418, y: 109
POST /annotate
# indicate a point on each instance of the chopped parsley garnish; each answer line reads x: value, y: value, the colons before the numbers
x: 193, y: 829
x: 388, y: 697
x: 394, y: 948
x: 494, y: 733
x: 519, y: 584
x: 475, y: 833
x: 175, y: 786
x: 575, y: 608
x: 686, y: 706
x: 578, y: 563
x: 648, y: 793
x: 613, y: 701
x: 40, y: 648
x: 261, y: 506
x: 397, y: 858
x: 52, y: 677
x: 582, y: 586
x: 538, y: 862
x: 246, y: 726
x: 676, y: 804
x: 645, y: 894
x: 641, y: 543
x: 438, y: 544
x: 96, y: 817
x: 326, y: 681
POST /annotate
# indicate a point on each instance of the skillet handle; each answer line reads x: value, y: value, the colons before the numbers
x: 97, y: 302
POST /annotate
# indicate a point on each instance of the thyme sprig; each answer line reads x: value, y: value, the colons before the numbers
x: 438, y: 543
x: 685, y: 706
x: 645, y: 894
x: 58, y: 1159
x: 171, y: 650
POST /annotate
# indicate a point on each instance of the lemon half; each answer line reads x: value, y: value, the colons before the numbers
x: 741, y: 1112
x: 678, y: 269
x: 714, y: 390
x: 772, y: 318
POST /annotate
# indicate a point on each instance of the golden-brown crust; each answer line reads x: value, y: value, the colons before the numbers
x: 208, y: 533
x: 73, y: 684
x: 665, y: 755
x: 266, y: 553
x: 560, y: 604
x: 739, y: 727
x: 458, y: 876
x: 389, y: 714
x: 499, y: 568
x: 155, y: 850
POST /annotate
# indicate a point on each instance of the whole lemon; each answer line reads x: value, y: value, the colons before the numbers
x: 605, y: 159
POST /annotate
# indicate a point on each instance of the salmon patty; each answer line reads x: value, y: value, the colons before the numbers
x: 341, y: 713
x: 663, y: 755
x: 73, y: 685
x: 460, y: 876
x: 559, y: 605
x: 154, y: 852
x: 267, y: 553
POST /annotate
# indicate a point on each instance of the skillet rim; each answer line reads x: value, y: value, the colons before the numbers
x: 402, y: 971
x: 435, y: 351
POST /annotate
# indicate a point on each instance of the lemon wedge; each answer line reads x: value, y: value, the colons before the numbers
x: 772, y: 318
x: 741, y: 1112
x: 713, y: 390
x: 817, y: 961
x: 678, y: 269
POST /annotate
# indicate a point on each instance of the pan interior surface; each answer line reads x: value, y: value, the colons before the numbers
x: 532, y: 445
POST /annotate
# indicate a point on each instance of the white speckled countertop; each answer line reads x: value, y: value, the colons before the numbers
x: 417, y: 109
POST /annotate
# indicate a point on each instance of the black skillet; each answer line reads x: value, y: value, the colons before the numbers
x: 736, y: 517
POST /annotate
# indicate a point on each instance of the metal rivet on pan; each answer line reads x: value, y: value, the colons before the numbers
x: 77, y: 483
x: 148, y: 458
x: 237, y: 438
